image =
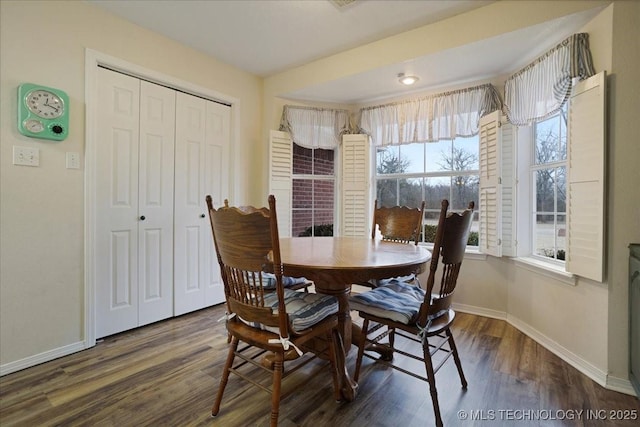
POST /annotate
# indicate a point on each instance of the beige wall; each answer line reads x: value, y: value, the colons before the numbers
x: 624, y: 175
x: 585, y: 323
x: 42, y: 209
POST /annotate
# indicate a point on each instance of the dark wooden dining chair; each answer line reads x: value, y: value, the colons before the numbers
x: 415, y: 314
x: 400, y: 224
x: 293, y: 283
x: 274, y: 326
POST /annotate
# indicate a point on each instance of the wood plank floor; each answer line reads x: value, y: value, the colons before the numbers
x: 166, y: 374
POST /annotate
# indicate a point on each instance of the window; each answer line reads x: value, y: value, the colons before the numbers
x: 313, y: 192
x: 558, y: 212
x: 410, y: 173
x: 548, y: 173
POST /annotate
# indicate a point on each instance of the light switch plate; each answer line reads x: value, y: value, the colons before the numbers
x: 73, y: 160
x: 26, y: 156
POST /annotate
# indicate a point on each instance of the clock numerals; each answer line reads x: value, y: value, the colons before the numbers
x: 45, y: 104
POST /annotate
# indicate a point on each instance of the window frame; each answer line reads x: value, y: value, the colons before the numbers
x: 313, y: 178
x: 525, y: 207
x: 585, y: 187
x: 424, y: 175
x: 533, y: 168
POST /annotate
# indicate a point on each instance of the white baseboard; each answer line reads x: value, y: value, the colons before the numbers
x: 593, y: 372
x: 620, y: 384
x: 598, y: 375
x: 37, y: 359
x: 480, y: 311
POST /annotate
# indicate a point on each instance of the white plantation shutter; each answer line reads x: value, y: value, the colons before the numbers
x: 586, y: 171
x: 497, y: 186
x: 490, y: 185
x: 281, y: 177
x: 508, y: 184
x: 355, y: 205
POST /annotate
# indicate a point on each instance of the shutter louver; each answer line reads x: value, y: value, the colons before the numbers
x: 281, y: 177
x: 586, y: 160
x: 490, y: 188
x: 508, y: 193
x: 355, y: 185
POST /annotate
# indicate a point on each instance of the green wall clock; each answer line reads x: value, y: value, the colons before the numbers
x: 43, y: 112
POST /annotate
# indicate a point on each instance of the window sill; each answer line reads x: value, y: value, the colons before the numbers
x: 475, y: 255
x: 553, y: 271
x: 470, y: 253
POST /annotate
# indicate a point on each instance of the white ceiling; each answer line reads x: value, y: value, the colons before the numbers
x: 265, y: 37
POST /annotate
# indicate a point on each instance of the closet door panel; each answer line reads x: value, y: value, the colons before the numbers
x: 202, y: 167
x: 116, y: 213
x: 155, y: 202
x: 190, y: 219
x: 216, y: 183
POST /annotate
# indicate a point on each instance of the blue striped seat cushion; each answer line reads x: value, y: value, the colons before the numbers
x: 269, y: 281
x: 384, y: 282
x: 304, y: 309
x: 396, y: 300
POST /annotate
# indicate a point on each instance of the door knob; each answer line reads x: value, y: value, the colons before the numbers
x: 202, y: 215
x: 142, y: 218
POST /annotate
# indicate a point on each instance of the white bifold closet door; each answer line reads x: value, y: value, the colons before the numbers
x: 134, y: 203
x: 159, y: 153
x: 202, y: 167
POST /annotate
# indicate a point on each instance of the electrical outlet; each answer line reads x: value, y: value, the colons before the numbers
x: 26, y: 156
x: 73, y: 160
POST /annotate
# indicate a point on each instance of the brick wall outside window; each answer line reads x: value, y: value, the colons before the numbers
x: 313, y: 199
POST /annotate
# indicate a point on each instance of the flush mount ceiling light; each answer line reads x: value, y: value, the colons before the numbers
x: 342, y: 3
x: 407, y: 80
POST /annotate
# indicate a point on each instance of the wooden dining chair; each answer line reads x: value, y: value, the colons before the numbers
x: 400, y: 224
x: 415, y: 314
x: 397, y: 223
x: 274, y: 326
x: 293, y: 283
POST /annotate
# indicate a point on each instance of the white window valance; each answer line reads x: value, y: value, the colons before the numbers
x: 540, y: 89
x: 430, y: 119
x: 312, y: 127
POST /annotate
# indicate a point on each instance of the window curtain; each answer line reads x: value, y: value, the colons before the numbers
x: 430, y: 119
x: 540, y: 89
x: 312, y: 127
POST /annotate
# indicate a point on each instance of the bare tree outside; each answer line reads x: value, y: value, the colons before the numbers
x: 464, y: 187
x: 551, y: 147
x: 549, y: 174
x: 389, y: 163
x: 389, y: 191
x: 404, y: 179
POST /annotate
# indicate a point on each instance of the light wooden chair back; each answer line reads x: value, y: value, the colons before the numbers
x: 398, y: 223
x: 288, y: 282
x: 247, y: 246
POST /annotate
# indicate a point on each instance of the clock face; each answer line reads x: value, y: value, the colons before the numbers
x: 45, y: 104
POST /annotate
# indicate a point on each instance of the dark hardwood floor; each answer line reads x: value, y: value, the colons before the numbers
x: 166, y: 374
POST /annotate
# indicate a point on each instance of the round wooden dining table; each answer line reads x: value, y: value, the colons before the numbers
x: 335, y: 263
